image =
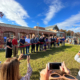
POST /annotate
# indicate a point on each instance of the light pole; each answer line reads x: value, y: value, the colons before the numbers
x: 38, y: 28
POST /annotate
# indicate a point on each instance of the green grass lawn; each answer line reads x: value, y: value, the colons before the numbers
x: 38, y: 60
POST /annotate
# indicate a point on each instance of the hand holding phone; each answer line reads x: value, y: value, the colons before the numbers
x: 25, y: 56
x: 54, y: 66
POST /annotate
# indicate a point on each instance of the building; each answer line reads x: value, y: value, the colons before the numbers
x: 7, y: 30
x: 55, y: 29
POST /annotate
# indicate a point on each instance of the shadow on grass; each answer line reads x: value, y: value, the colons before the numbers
x: 74, y: 71
x: 2, y: 50
x: 48, y: 51
x: 35, y: 75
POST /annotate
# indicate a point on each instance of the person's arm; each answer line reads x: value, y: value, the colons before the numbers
x: 21, y: 42
x: 8, y: 46
x: 44, y: 74
x: 77, y: 57
x: 13, y: 42
x: 25, y: 41
x: 63, y: 68
x: 29, y: 70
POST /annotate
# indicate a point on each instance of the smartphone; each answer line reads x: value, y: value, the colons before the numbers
x: 54, y: 66
x: 25, y: 56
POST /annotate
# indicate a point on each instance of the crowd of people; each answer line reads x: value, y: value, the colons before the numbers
x: 36, y: 43
x: 9, y: 70
x: 73, y: 40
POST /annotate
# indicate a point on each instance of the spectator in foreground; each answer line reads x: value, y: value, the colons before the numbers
x: 22, y: 43
x: 44, y: 74
x: 9, y: 49
x: 78, y: 60
x: 10, y: 69
x: 15, y: 47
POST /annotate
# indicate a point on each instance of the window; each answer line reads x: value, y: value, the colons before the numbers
x: 9, y: 34
x: 58, y: 34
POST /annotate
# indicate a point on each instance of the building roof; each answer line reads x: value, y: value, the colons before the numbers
x: 22, y: 27
x: 52, y: 27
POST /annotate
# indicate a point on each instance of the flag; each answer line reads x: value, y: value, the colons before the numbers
x: 1, y: 14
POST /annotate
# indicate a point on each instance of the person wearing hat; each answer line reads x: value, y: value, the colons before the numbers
x: 22, y: 43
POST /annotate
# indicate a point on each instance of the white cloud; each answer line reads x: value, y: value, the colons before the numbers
x: 1, y: 21
x: 69, y: 23
x: 55, y: 7
x: 14, y: 11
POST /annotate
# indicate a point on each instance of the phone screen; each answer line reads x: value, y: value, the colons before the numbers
x: 54, y: 66
x: 25, y: 56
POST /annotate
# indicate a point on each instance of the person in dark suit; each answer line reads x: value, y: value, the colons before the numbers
x: 22, y: 43
x: 37, y: 43
x: 43, y: 38
x: 9, y: 49
x: 32, y: 44
x: 41, y: 43
x: 53, y: 41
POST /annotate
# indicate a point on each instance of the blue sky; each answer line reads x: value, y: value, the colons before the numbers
x: 64, y: 13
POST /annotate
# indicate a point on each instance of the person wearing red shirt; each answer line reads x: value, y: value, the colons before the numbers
x: 15, y: 47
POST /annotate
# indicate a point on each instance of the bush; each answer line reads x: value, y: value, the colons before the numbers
x: 2, y: 49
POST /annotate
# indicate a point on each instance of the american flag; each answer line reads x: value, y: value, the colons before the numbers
x: 1, y: 14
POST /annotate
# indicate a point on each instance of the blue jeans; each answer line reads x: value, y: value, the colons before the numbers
x: 27, y: 49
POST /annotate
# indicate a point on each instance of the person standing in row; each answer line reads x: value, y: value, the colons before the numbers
x: 57, y: 42
x: 45, y: 43
x: 53, y: 41
x: 9, y: 49
x: 15, y: 47
x: 32, y: 44
x: 41, y: 43
x: 37, y: 43
x: 27, y: 41
x: 22, y: 42
x: 49, y: 44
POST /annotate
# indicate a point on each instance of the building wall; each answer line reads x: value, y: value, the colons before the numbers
x: 17, y: 30
x: 36, y: 27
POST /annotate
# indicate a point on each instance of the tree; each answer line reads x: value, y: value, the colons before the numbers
x: 1, y: 14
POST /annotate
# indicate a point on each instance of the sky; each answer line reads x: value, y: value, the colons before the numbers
x: 29, y: 13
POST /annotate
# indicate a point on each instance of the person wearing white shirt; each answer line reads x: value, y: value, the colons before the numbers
x: 27, y: 41
x: 77, y: 58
